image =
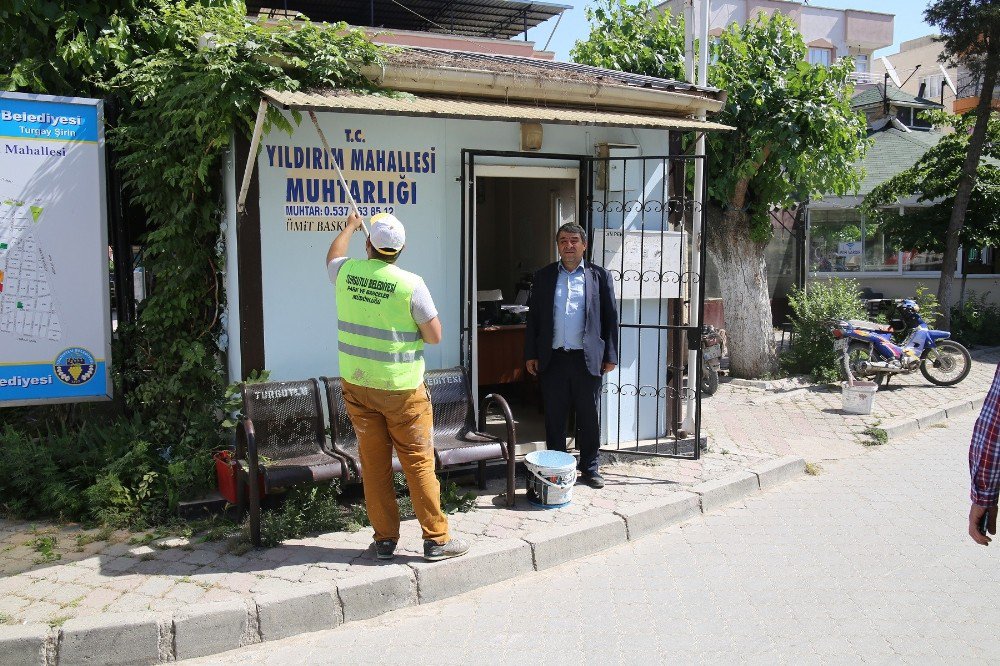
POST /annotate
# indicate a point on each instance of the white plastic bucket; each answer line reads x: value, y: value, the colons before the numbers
x: 859, y: 398
x: 550, y: 479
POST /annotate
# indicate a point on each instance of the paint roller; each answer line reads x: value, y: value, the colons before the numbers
x: 340, y: 174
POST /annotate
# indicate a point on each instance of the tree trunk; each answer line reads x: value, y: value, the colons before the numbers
x: 745, y: 297
x: 966, y: 183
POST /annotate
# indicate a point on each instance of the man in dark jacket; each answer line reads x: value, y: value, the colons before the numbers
x: 570, y: 342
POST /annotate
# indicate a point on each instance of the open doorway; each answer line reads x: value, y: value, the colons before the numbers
x: 518, y: 211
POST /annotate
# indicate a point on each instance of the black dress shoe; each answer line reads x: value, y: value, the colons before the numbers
x: 593, y: 480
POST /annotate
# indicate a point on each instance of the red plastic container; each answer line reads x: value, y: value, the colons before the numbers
x: 225, y: 474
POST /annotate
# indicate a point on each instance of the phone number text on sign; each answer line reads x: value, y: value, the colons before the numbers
x: 326, y: 218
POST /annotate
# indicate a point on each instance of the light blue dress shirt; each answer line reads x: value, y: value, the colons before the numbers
x: 569, y: 308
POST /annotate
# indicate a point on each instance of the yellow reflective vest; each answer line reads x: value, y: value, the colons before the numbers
x: 379, y: 344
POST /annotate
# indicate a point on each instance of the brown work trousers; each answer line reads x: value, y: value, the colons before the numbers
x: 400, y: 420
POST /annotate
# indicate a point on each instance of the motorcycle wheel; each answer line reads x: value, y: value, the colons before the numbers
x: 709, y: 382
x: 857, y: 352
x: 947, y: 364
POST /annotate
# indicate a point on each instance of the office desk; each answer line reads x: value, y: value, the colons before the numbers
x: 501, y: 354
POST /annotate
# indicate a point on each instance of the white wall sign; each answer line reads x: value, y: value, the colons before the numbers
x: 55, y: 328
x: 650, y: 262
x: 853, y: 249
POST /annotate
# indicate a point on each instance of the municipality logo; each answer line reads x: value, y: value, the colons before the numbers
x: 75, y: 366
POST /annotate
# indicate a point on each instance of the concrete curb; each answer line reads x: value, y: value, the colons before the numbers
x: 648, y: 517
x: 121, y: 638
x: 23, y: 644
x: 201, y: 630
x: 728, y: 489
x: 903, y: 427
x: 297, y: 611
x: 148, y: 638
x: 561, y: 544
x: 386, y: 588
x: 775, y: 472
x: 485, y: 564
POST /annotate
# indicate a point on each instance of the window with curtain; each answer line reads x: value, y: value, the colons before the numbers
x: 861, y: 63
x: 932, y: 86
x: 820, y: 56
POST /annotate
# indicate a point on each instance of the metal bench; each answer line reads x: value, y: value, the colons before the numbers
x: 457, y: 441
x: 284, y: 423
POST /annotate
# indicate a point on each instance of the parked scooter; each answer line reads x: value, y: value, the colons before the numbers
x: 713, y: 348
x: 867, y: 350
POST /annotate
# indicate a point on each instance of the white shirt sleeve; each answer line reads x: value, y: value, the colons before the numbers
x: 421, y: 305
x: 333, y: 268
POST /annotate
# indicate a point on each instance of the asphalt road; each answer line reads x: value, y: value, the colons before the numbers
x: 867, y: 562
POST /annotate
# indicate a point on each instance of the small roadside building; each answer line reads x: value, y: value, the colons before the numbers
x: 482, y: 155
x: 842, y: 243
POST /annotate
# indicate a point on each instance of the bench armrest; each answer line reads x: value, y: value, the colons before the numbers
x: 511, y: 442
x: 499, y: 401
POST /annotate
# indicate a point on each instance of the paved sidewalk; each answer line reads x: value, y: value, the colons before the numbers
x: 747, y: 427
x: 867, y: 563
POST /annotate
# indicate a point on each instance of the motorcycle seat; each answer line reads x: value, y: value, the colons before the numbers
x: 869, y: 326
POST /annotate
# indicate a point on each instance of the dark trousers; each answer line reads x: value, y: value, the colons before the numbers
x: 567, y: 384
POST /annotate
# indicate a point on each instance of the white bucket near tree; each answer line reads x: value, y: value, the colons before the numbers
x: 859, y: 397
x: 550, y: 479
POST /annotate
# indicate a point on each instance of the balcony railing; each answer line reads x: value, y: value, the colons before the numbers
x: 864, y: 77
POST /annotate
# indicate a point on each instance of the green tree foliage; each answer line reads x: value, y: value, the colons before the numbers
x: 795, y: 136
x: 795, y: 132
x: 634, y: 38
x: 812, y: 310
x: 933, y: 180
x: 187, y: 76
x: 970, y: 31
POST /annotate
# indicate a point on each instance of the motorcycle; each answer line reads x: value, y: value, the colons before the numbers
x: 713, y: 348
x: 867, y: 349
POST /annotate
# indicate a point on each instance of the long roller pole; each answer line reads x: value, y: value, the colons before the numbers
x: 340, y: 174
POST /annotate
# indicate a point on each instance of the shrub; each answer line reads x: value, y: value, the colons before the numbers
x: 812, y: 309
x: 930, y: 307
x: 976, y: 322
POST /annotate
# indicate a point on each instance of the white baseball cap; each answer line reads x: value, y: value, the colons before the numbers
x: 387, y: 233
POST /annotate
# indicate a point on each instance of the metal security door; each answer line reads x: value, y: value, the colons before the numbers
x: 638, y: 219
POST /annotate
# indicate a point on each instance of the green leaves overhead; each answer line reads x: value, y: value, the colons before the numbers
x: 934, y: 180
x: 632, y: 38
x: 187, y: 76
x: 796, y: 135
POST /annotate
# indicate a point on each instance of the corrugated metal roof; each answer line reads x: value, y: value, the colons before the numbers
x: 536, y: 67
x: 475, y: 18
x: 446, y: 107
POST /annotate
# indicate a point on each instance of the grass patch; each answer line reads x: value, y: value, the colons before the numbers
x: 6, y: 618
x: 453, y: 500
x: 813, y: 469
x: 316, y: 510
x: 876, y: 436
x: 240, y: 548
x: 86, y: 538
x: 45, y: 546
x: 58, y: 621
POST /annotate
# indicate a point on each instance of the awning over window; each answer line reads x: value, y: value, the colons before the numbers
x: 450, y: 107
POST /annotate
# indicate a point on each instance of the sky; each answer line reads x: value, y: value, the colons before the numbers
x: 909, y: 23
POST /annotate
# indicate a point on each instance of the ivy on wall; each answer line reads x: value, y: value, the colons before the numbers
x: 187, y: 76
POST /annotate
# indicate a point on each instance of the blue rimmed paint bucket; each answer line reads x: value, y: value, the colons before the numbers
x: 551, y: 477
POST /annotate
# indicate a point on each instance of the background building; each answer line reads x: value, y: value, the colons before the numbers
x: 920, y: 72
x: 830, y: 34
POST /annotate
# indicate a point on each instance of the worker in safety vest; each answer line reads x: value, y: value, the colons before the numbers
x: 385, y: 315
